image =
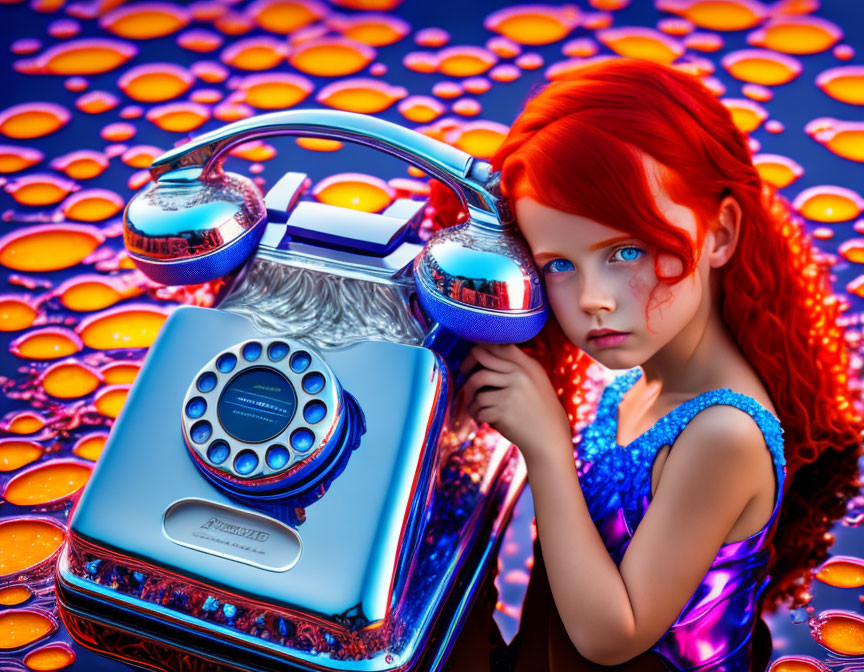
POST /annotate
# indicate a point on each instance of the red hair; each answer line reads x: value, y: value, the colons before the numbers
x: 574, y: 148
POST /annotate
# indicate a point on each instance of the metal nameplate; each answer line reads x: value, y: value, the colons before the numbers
x: 232, y: 533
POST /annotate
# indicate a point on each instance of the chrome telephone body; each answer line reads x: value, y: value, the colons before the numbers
x: 284, y: 488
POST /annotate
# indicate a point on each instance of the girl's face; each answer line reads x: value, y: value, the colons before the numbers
x: 598, y: 277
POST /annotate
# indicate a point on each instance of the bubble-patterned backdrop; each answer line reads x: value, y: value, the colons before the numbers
x: 93, y: 90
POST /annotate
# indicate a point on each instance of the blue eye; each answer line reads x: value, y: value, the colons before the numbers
x: 558, y: 266
x: 629, y: 252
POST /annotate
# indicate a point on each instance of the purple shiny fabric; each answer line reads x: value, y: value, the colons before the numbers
x: 714, y: 628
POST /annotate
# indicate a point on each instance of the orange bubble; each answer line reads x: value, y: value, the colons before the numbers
x: 564, y: 69
x: 704, y: 42
x: 92, y: 205
x: 466, y: 107
x: 26, y: 422
x: 369, y: 5
x: 421, y: 109
x: 476, y: 85
x: 15, y: 453
x: 319, y: 144
x: 118, y: 373
x: 127, y: 327
x: 33, y: 120
x: 533, y: 24
x: 433, y: 37
x: 255, y: 53
x: 420, y: 61
x: 48, y: 247
x: 843, y: 138
x: 465, y: 61
x: 506, y: 72
x: 234, y: 23
x: 367, y: 96
x: 760, y: 66
x: 155, y: 82
x: 15, y: 313
x: 97, y: 102
x: 109, y: 401
x: 13, y: 595
x: 47, y: 483
x: 26, y: 542
x: 757, y: 92
x: 179, y: 117
x: 845, y: 84
x: 50, y: 657
x: 779, y: 171
x: 209, y: 71
x: 796, y: 664
x: 797, y: 35
x: 828, y: 204
x: 90, y: 447
x: 852, y: 250
x: 83, y: 164
x: 479, y: 138
x: 87, y: 56
x: 376, y: 30
x: 285, y: 16
x: 354, y: 190
x: 145, y: 20
x: 15, y: 159
x: 331, y: 57
x: 842, y: 571
x: 255, y: 150
x: 530, y: 61
x: 232, y: 111
x: 40, y: 189
x: 675, y: 26
x: 840, y: 631
x: 746, y: 114
x: 643, y: 43
x: 141, y: 156
x: 69, y: 380
x: 47, y: 343
x: 119, y: 131
x: 582, y: 47
x: 275, y: 91
x: 447, y: 90
x: 20, y: 627
x: 199, y: 40
x: 717, y: 14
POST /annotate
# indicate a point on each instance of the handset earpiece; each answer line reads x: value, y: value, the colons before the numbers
x: 196, y: 222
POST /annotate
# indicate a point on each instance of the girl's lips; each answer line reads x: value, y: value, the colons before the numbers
x: 609, y: 340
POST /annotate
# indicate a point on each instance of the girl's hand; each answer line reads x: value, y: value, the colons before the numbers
x: 523, y: 407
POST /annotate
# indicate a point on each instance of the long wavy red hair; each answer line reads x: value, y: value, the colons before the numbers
x: 572, y: 148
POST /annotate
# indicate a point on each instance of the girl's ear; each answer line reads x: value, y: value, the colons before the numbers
x: 725, y: 232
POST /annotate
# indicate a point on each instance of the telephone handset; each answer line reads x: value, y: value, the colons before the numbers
x: 196, y: 222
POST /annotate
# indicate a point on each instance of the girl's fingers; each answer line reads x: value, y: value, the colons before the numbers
x: 489, y: 359
x: 483, y: 378
x: 482, y: 400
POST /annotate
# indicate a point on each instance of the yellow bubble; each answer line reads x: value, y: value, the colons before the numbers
x: 20, y: 627
x: 109, y: 401
x: 17, y: 453
x: 25, y: 542
x: 128, y: 327
x: 15, y: 314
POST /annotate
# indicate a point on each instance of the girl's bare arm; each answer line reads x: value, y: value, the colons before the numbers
x: 612, y: 614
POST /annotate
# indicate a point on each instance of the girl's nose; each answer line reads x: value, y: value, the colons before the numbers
x: 594, y: 297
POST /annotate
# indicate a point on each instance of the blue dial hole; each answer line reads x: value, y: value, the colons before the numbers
x: 314, y: 412
x: 218, y: 451
x: 277, y: 456
x: 277, y: 351
x: 245, y: 462
x: 300, y: 361
x: 206, y: 381
x: 302, y: 439
x: 195, y: 407
x: 313, y: 382
x: 201, y: 431
x: 251, y: 351
x: 226, y: 362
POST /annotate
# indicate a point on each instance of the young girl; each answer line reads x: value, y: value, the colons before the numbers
x: 728, y: 443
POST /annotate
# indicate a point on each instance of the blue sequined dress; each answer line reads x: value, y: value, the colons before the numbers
x: 714, y: 629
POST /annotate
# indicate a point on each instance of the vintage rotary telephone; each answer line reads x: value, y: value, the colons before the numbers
x: 282, y: 489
